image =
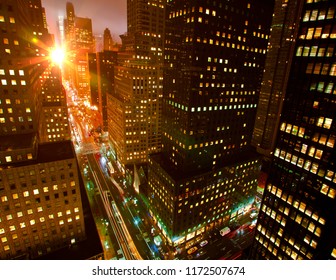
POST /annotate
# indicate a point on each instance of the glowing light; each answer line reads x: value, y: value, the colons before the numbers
x: 57, y: 56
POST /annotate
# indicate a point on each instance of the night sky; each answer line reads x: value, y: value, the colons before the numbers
x: 104, y: 14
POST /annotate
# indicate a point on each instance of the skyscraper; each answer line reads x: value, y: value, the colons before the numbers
x: 135, y: 120
x: 101, y: 67
x: 277, y: 65
x: 40, y: 200
x: 79, y: 42
x: 207, y: 172
x: 107, y: 40
x: 54, y: 124
x: 298, y: 211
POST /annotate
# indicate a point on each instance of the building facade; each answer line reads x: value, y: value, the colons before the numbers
x: 297, y: 217
x: 101, y: 68
x: 136, y: 103
x: 278, y: 62
x: 79, y: 41
x: 206, y: 174
x: 39, y: 183
x: 54, y: 124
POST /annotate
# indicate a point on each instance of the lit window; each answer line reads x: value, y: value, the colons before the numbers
x: 36, y: 191
x: 333, y: 253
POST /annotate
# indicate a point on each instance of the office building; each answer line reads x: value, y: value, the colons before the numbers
x: 297, y: 217
x: 136, y: 103
x: 54, y: 124
x: 79, y: 41
x: 41, y: 208
x: 206, y: 174
x: 108, y: 40
x: 278, y: 62
x: 101, y: 68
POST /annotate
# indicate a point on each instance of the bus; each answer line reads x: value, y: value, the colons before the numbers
x: 224, y: 231
x: 110, y: 168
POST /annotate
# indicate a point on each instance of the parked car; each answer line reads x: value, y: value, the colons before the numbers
x: 203, y: 243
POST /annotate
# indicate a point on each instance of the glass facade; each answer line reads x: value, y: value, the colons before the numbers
x: 297, y: 218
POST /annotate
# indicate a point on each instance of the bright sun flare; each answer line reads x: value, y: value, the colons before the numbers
x: 57, y: 56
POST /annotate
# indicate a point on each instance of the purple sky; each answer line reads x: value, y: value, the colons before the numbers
x: 109, y: 14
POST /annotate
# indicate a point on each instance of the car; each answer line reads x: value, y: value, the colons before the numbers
x: 192, y: 250
x: 203, y: 243
x: 253, y: 215
x: 252, y: 226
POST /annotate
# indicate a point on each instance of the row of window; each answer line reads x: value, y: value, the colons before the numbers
x: 4, y: 82
x: 313, y: 15
x: 227, y: 44
x: 12, y: 72
x: 33, y: 222
x: 318, y: 33
x: 321, y: 69
x: 10, y: 19
x: 324, y: 87
x: 306, y: 164
x: 314, y: 51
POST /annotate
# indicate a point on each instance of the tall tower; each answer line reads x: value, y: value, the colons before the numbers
x: 108, y: 41
x: 135, y: 128
x: 40, y: 202
x: 298, y: 211
x: 101, y: 67
x: 54, y: 124
x: 79, y: 42
x: 277, y: 65
x: 69, y: 25
x: 206, y: 174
